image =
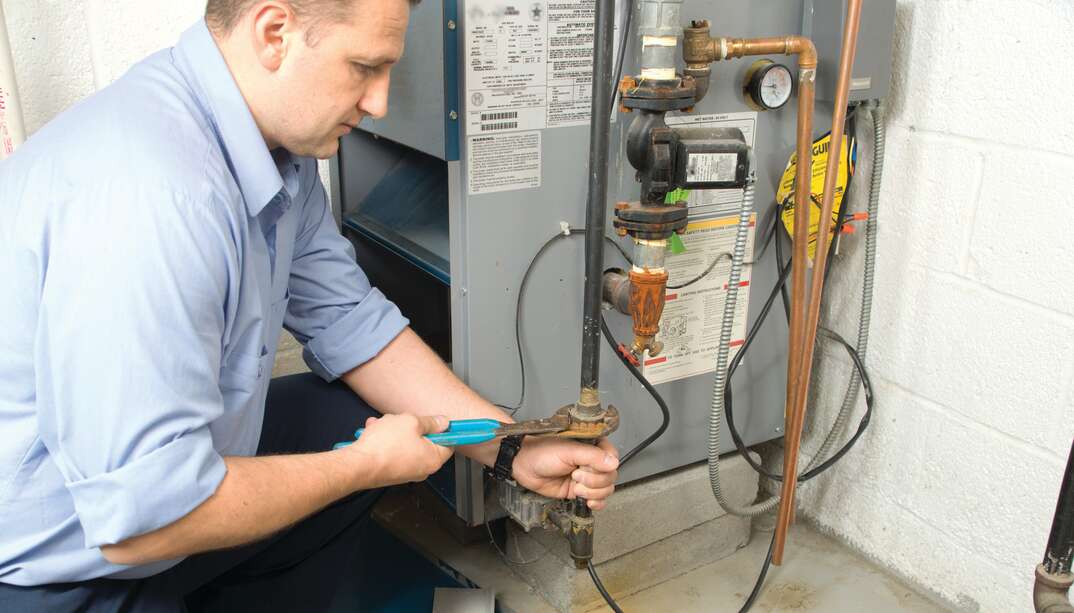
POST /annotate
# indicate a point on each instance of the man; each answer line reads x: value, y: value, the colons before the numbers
x: 154, y: 238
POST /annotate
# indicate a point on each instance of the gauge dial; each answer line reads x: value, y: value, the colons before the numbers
x: 768, y: 85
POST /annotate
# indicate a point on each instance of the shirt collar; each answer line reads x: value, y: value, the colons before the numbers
x: 252, y: 163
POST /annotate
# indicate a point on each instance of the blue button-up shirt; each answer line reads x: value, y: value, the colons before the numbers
x: 151, y: 247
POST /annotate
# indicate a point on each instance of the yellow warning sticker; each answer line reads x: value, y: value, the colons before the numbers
x: 785, y: 193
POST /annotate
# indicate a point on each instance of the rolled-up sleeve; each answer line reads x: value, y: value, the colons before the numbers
x: 128, y: 357
x: 334, y: 312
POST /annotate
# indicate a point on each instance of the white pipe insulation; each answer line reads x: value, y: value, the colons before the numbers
x: 660, y: 29
x: 12, y: 129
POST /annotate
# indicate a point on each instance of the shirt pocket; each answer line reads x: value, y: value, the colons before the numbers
x: 277, y: 314
x: 240, y: 375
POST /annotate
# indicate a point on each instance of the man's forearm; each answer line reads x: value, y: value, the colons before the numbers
x: 258, y: 497
x: 408, y: 377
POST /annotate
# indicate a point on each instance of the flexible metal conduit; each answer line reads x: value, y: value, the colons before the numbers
x: 868, y: 276
x: 738, y: 257
x: 864, y: 320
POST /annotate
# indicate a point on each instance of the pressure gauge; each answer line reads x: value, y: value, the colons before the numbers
x: 768, y: 85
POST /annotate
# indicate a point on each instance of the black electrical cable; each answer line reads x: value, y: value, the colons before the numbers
x: 704, y: 273
x: 866, y: 383
x: 600, y: 587
x: 756, y: 591
x: 518, y: 307
x: 648, y: 387
x: 618, y: 72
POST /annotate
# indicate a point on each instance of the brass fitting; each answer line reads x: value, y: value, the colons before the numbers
x: 699, y: 49
x: 646, y: 307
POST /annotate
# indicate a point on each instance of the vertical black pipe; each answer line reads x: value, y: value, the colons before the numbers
x: 597, y: 197
x: 1057, y: 559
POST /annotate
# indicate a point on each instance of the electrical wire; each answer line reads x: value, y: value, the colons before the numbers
x: 519, y: 301
x: 705, y: 272
x: 666, y: 414
x: 518, y: 317
x: 503, y: 554
x: 757, y: 585
x: 600, y: 587
x: 859, y: 366
x: 629, y: 8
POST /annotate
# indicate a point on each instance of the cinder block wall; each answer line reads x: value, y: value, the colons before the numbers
x: 972, y: 349
x: 973, y: 336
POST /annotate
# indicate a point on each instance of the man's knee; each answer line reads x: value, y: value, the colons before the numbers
x: 304, y: 413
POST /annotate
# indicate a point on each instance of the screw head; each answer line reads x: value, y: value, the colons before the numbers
x: 451, y: 24
x: 453, y: 115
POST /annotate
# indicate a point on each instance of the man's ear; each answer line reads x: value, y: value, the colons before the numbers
x: 274, y: 26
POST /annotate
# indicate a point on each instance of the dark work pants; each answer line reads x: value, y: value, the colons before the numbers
x: 294, y: 570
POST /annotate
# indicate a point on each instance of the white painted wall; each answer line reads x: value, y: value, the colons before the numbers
x: 973, y: 336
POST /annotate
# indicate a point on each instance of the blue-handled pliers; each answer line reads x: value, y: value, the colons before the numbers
x: 474, y: 431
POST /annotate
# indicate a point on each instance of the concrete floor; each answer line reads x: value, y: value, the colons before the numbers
x: 818, y: 574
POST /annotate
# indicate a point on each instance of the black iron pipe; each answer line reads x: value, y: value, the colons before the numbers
x: 1060, y: 552
x: 597, y: 197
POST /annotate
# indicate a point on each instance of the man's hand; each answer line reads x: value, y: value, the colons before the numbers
x: 395, y: 445
x: 560, y: 468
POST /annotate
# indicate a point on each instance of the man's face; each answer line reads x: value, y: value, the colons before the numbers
x: 329, y: 87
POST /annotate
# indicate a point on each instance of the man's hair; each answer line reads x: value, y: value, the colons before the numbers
x: 223, y: 15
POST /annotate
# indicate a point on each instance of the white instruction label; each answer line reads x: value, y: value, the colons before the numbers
x: 502, y: 162
x: 691, y: 324
x: 711, y: 167
x: 529, y: 64
x: 717, y: 202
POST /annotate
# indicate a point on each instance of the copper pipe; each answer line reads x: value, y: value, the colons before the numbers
x: 805, y: 358
x: 800, y: 244
x: 700, y: 49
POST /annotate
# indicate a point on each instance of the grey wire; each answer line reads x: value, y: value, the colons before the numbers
x: 722, y: 358
x: 850, y: 399
x: 503, y: 554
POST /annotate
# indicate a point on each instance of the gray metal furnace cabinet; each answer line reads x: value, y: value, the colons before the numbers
x: 482, y: 158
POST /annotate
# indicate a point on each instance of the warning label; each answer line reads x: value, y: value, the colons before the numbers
x: 717, y: 202
x: 785, y: 193
x: 691, y: 323
x: 502, y: 162
x: 711, y: 167
x: 693, y: 315
x: 529, y: 64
